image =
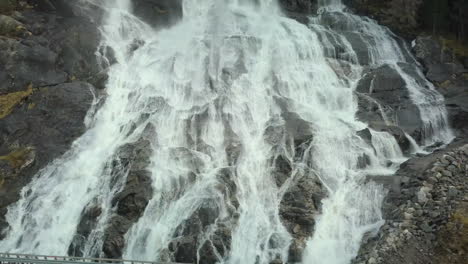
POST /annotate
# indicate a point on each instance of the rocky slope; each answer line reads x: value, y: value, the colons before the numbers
x: 426, y: 210
x: 47, y: 59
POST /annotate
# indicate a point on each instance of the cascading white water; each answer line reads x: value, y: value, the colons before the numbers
x: 352, y: 209
x: 213, y: 82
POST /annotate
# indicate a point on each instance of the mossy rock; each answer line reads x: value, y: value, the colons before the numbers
x: 10, y: 26
x: 20, y: 158
x: 9, y: 101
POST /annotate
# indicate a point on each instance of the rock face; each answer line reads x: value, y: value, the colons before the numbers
x: 384, y: 98
x: 303, y: 190
x: 427, y: 216
x: 45, y: 60
x: 386, y: 86
x: 450, y: 76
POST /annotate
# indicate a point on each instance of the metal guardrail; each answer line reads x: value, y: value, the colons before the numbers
x: 13, y: 258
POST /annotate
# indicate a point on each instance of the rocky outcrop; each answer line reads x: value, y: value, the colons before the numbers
x: 384, y: 98
x: 131, y: 201
x: 303, y: 190
x: 427, y: 215
x: 45, y: 60
x: 442, y: 56
x: 450, y: 76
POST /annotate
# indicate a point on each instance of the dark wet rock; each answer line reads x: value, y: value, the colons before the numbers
x: 369, y: 110
x: 298, y: 9
x: 114, y: 240
x: 399, y: 135
x: 387, y: 88
x: 304, y: 191
x: 88, y: 222
x: 291, y: 136
x: 298, y: 209
x: 289, y: 128
x: 366, y: 135
x: 297, y: 128
x: 345, y: 26
x: 458, y: 112
x: 205, y: 236
x: 58, y: 50
x: 132, y: 200
x: 282, y: 170
x: 75, y: 45
x: 27, y: 62
x: 158, y: 13
x: 440, y: 63
x: 202, y: 237
x: 299, y: 6
x: 100, y: 79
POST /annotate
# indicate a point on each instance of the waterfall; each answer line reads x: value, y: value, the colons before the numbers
x: 210, y: 87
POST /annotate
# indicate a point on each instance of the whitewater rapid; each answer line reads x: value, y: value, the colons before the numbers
x: 211, y: 83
